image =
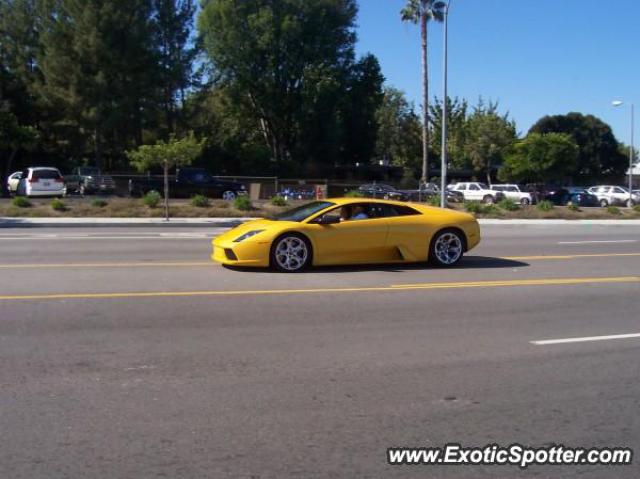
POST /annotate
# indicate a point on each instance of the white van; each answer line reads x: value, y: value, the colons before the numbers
x: 41, y: 181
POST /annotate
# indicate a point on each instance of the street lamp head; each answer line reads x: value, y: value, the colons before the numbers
x: 617, y: 103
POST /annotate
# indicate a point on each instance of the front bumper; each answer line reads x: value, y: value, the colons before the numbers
x: 246, y: 253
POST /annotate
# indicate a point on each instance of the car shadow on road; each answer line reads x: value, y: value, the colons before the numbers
x: 468, y: 262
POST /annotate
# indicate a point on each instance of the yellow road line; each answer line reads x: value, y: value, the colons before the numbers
x: 521, y: 282
x: 179, y: 264
x: 393, y: 288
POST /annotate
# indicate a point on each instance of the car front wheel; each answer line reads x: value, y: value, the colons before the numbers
x: 525, y: 201
x: 604, y: 203
x: 447, y: 248
x: 291, y: 253
x: 228, y: 196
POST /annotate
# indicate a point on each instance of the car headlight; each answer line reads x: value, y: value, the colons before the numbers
x: 247, y: 235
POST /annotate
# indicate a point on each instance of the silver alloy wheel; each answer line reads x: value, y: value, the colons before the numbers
x: 291, y: 253
x: 525, y: 201
x: 489, y: 200
x: 228, y: 196
x: 448, y: 248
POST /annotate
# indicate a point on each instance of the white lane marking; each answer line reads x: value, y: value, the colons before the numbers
x: 587, y: 339
x: 86, y: 237
x: 597, y: 242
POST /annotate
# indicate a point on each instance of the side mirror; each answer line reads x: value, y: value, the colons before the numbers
x: 327, y: 220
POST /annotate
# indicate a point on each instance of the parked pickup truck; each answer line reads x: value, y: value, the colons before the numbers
x: 189, y: 182
x: 87, y: 180
x: 513, y: 192
x: 478, y: 192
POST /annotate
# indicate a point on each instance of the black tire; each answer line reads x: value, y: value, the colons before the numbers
x: 604, y: 203
x: 488, y: 200
x: 443, y: 258
x: 525, y: 202
x: 229, y: 195
x: 295, y: 262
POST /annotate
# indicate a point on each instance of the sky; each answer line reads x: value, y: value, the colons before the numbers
x: 536, y: 57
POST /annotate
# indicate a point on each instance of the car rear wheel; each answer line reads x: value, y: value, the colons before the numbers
x: 447, y: 248
x: 525, y: 202
x: 604, y: 203
x: 291, y: 253
x: 489, y: 200
x: 630, y: 203
x: 228, y: 196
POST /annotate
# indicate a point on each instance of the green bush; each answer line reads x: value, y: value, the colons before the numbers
x: 99, y: 203
x: 278, y: 201
x: 573, y: 207
x: 508, y: 205
x: 152, y: 199
x: 613, y: 210
x: 354, y: 194
x: 200, y: 201
x: 58, y: 205
x: 243, y: 203
x: 636, y: 208
x: 545, y: 205
x: 434, y: 200
x: 21, y: 202
x: 491, y: 210
x: 474, y: 207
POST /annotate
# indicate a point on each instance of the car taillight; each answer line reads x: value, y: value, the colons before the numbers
x: 30, y: 180
x: 59, y: 180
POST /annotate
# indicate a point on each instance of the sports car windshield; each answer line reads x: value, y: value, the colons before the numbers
x: 303, y: 212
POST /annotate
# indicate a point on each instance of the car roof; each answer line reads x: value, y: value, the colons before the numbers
x: 40, y: 168
x: 351, y: 201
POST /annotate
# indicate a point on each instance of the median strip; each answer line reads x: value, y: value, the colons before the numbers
x: 393, y: 288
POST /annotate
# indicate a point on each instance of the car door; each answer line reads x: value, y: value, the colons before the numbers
x: 474, y: 192
x: 349, y: 241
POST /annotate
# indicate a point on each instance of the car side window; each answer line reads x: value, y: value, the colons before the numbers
x: 474, y: 187
x: 618, y: 190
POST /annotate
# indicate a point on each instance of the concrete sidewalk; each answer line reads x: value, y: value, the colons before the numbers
x: 229, y: 222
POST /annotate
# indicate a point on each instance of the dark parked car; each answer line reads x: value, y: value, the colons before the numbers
x: 87, y: 180
x: 571, y: 196
x: 380, y: 190
x: 187, y: 183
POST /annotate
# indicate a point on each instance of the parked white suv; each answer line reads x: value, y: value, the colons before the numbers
x: 514, y: 193
x: 41, y: 181
x: 478, y: 192
x: 614, y: 195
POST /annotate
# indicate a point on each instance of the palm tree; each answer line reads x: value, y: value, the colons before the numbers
x: 420, y: 12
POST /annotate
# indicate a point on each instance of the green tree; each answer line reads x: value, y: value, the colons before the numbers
x: 287, y: 66
x: 398, y: 140
x: 99, y: 70
x: 489, y: 136
x: 540, y: 158
x: 599, y: 154
x: 172, y: 22
x: 456, y: 128
x: 171, y: 154
x: 13, y: 137
x: 421, y: 12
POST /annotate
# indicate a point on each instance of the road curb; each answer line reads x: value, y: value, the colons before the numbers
x: 230, y: 222
x: 556, y: 222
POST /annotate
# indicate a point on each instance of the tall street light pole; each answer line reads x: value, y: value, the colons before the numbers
x: 445, y: 79
x: 631, y: 149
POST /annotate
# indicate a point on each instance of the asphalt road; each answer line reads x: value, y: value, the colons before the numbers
x: 125, y: 354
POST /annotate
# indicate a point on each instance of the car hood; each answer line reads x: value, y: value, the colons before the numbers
x: 270, y: 227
